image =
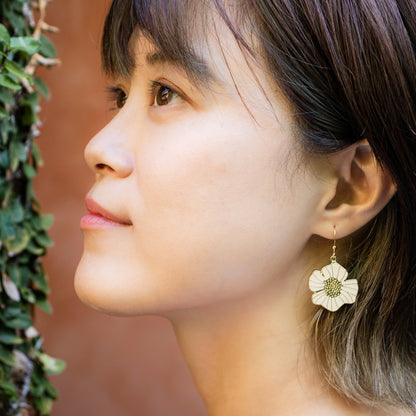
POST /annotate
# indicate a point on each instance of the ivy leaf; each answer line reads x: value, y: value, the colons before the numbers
x: 29, y: 195
x: 9, y: 388
x: 15, y: 273
x: 44, y: 405
x: 15, y: 70
x: 12, y: 312
x: 17, y: 22
x: 6, y: 356
x: 46, y: 221
x: 51, y: 365
x: 20, y: 322
x: 9, y: 83
x: 4, y: 159
x: 29, y: 116
x: 9, y: 338
x: 36, y: 155
x: 17, y: 153
x: 47, y: 49
x: 35, y: 249
x: 17, y: 211
x: 4, y: 35
x: 4, y: 113
x: 43, y: 239
x: 10, y: 288
x: 31, y: 100
x: 18, y: 242
x: 25, y: 44
x: 29, y: 171
x: 37, y: 387
x: 42, y: 87
x: 28, y: 295
x: 41, y: 282
x: 51, y: 390
x: 5, y: 130
x: 42, y: 303
x: 6, y: 96
x: 30, y: 105
x: 6, y: 225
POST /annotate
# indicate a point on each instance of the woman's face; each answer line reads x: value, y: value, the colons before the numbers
x: 203, y: 183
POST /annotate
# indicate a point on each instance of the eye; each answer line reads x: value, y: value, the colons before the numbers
x: 117, y: 96
x: 163, y: 95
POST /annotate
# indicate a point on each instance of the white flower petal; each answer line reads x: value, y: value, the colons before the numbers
x: 316, y: 281
x: 349, y: 290
x: 327, y: 271
x: 333, y: 304
x: 339, y: 272
x: 327, y: 303
x: 319, y: 298
x: 345, y: 297
x: 338, y: 302
x: 334, y: 270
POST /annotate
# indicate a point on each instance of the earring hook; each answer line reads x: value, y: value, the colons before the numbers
x: 333, y: 258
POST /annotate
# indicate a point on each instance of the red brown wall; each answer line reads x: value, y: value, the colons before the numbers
x: 116, y: 366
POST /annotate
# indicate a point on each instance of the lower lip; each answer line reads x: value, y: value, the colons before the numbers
x: 96, y: 222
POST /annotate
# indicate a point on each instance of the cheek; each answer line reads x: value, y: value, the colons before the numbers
x: 215, y: 206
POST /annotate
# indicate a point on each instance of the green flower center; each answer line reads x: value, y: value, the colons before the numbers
x: 332, y: 287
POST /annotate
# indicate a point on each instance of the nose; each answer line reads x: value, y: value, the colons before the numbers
x: 107, y: 153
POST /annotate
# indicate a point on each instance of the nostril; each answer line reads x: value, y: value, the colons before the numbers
x: 109, y: 160
x: 102, y: 166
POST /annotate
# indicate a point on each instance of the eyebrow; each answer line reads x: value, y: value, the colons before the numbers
x: 194, y: 66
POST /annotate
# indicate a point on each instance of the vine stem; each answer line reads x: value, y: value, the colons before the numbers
x: 38, y: 59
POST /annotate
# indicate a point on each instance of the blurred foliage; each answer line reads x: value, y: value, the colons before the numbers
x: 24, y: 386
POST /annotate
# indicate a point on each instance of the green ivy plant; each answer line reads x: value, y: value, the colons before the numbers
x: 24, y: 365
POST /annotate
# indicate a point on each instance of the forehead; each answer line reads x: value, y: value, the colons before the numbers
x: 184, y: 33
x: 197, y: 65
x: 173, y: 27
x: 177, y: 29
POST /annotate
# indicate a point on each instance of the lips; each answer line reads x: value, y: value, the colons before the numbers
x: 99, y: 217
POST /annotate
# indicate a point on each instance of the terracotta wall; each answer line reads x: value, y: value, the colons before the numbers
x: 116, y: 366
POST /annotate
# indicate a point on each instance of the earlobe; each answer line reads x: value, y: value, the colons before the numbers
x: 362, y: 189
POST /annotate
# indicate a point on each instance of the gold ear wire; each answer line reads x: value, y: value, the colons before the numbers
x: 330, y: 285
x: 333, y: 258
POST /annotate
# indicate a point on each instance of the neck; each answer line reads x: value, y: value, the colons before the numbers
x: 250, y: 352
x: 250, y: 356
x: 239, y: 360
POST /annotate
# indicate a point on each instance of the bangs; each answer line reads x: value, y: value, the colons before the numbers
x: 172, y: 26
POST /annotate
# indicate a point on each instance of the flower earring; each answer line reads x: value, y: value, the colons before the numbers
x: 330, y: 284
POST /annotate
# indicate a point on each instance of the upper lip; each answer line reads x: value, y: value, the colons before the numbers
x: 94, y: 208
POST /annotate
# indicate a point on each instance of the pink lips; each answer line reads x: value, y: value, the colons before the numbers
x: 99, y: 218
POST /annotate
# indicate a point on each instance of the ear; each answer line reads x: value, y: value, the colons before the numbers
x: 359, y: 191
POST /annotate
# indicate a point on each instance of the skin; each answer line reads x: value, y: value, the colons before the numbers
x: 222, y: 210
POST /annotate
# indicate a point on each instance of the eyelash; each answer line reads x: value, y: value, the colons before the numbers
x: 119, y: 97
x: 116, y: 94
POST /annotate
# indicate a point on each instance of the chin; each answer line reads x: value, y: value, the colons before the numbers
x: 100, y: 286
x: 108, y: 285
x: 86, y: 290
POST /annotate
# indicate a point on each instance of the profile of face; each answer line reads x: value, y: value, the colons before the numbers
x: 199, y: 196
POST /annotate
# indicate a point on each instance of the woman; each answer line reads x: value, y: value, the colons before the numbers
x: 257, y: 187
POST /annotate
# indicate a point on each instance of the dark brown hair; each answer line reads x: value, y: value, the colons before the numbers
x: 348, y: 67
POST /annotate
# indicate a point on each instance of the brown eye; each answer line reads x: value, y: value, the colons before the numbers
x: 163, y: 95
x: 121, y: 98
x: 117, y: 97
